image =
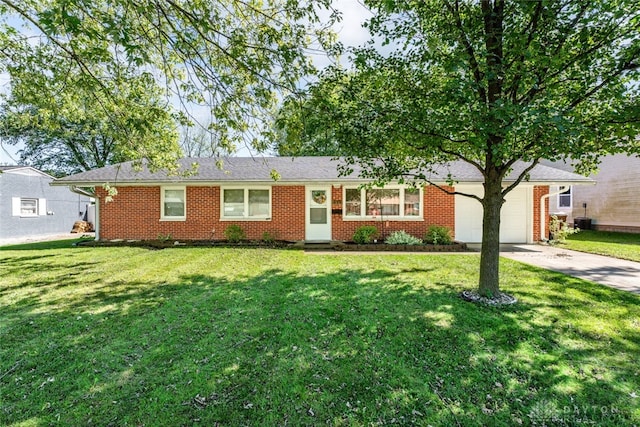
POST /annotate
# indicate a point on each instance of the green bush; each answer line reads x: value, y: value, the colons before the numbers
x: 365, y: 234
x: 438, y: 235
x: 234, y: 233
x: 402, y: 238
x: 269, y: 238
x: 559, y: 231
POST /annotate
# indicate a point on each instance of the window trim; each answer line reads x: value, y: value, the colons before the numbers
x: 246, y: 190
x: 570, y: 190
x: 164, y: 217
x: 363, y: 206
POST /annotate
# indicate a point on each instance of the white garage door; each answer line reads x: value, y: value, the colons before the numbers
x: 515, y: 225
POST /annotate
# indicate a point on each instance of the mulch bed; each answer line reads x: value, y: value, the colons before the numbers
x: 500, y: 299
x: 375, y: 247
x: 279, y: 244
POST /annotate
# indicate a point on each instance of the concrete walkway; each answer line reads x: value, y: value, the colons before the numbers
x: 613, y: 272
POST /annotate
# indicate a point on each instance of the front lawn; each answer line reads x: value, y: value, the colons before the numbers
x: 617, y: 245
x: 183, y: 336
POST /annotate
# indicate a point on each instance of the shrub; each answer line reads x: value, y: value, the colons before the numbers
x: 365, y: 234
x: 234, y: 233
x: 559, y: 230
x: 269, y: 238
x: 402, y: 238
x: 438, y: 235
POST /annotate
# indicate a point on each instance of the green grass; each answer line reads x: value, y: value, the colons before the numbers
x: 128, y: 336
x: 617, y: 245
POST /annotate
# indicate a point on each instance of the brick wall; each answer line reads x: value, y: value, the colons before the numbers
x: 538, y: 192
x: 134, y: 213
x: 438, y: 209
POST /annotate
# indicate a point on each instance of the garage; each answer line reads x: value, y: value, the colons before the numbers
x: 515, y: 224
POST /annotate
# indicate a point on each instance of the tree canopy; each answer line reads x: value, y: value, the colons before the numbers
x: 67, y: 124
x: 487, y: 82
x: 233, y: 58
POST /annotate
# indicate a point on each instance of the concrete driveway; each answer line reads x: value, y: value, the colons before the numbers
x: 613, y: 272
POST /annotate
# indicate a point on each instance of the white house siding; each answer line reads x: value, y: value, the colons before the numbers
x: 613, y: 203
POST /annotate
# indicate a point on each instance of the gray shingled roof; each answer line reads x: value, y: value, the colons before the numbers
x: 291, y: 169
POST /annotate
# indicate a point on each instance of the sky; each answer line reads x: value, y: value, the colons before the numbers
x: 349, y: 31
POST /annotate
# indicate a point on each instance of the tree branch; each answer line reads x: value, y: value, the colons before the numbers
x: 521, y: 177
x: 475, y: 67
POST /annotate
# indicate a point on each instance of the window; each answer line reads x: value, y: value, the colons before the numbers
x: 174, y: 203
x: 564, y: 199
x: 28, y: 207
x: 352, y: 202
x: 383, y: 202
x: 246, y: 203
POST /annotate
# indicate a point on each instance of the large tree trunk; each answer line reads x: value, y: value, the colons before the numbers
x: 489, y: 284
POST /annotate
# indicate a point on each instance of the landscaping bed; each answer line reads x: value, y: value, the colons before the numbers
x: 163, y: 244
x: 454, y: 247
x: 278, y: 244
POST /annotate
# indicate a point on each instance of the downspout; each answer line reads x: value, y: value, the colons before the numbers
x: 91, y: 194
x: 543, y: 214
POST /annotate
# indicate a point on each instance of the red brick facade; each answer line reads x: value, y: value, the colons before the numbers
x: 438, y: 209
x: 134, y: 213
x: 538, y: 192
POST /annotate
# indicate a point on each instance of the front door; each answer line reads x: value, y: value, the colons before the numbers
x: 318, y: 216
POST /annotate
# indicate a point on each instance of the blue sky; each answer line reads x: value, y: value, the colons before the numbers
x: 349, y: 30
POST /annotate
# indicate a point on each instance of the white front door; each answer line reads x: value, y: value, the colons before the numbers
x: 318, y: 215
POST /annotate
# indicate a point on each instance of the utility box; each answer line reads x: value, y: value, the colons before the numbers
x: 582, y: 223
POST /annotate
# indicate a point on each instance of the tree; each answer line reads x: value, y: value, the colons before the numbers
x: 237, y: 58
x: 200, y: 141
x: 301, y: 130
x: 67, y: 124
x: 490, y: 83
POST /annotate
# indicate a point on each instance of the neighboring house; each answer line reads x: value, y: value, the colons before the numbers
x: 613, y: 204
x: 29, y: 206
x: 310, y: 201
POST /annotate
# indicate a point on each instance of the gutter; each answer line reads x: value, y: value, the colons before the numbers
x: 81, y: 191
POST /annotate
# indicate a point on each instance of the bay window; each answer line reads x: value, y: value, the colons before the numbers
x: 394, y: 202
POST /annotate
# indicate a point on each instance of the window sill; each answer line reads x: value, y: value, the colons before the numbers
x: 182, y: 218
x: 245, y: 219
x: 383, y: 218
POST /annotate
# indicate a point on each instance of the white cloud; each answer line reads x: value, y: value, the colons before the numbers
x: 350, y: 30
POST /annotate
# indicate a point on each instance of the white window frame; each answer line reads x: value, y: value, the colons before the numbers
x: 246, y: 216
x: 559, y: 197
x: 31, y: 199
x: 16, y: 207
x: 164, y: 217
x: 363, y: 205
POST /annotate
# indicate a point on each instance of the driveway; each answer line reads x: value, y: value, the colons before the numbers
x: 613, y: 272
